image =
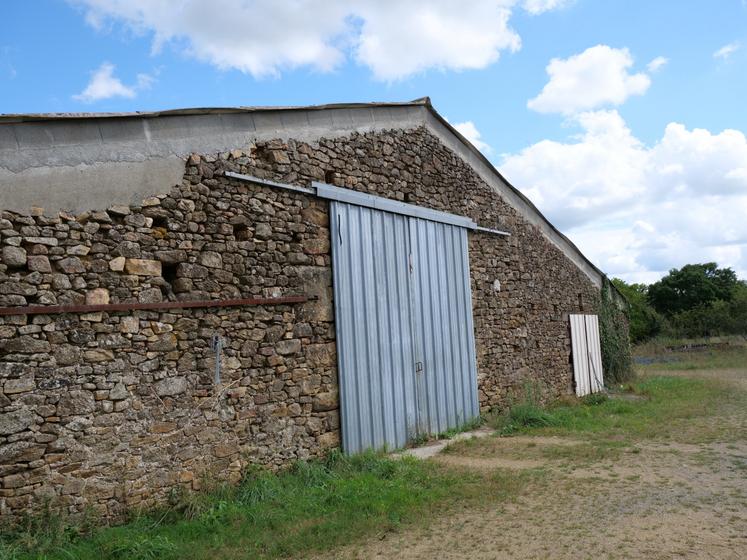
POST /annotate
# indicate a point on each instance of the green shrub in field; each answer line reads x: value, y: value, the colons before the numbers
x: 9, y: 551
x: 140, y: 547
x: 594, y: 399
x: 529, y: 415
x: 46, y: 532
x: 527, y: 412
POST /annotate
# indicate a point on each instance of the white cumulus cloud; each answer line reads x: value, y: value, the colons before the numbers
x: 596, y: 77
x: 638, y: 210
x: 394, y: 39
x: 575, y: 182
x: 105, y: 85
x: 470, y: 132
x: 535, y: 7
x: 727, y: 50
x: 398, y: 39
x: 657, y: 64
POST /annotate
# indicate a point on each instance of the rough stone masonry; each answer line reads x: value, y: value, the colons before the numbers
x: 112, y: 410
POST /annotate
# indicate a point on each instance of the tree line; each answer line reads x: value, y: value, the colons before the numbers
x: 697, y: 300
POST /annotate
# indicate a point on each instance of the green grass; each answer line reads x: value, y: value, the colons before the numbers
x: 312, y: 507
x: 466, y: 427
x: 722, y: 358
x: 663, y: 344
x: 663, y: 404
x: 665, y: 399
x: 526, y: 415
x: 657, y: 404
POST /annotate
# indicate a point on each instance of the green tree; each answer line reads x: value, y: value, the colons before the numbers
x: 645, y: 321
x: 738, y: 309
x: 716, y: 318
x: 692, y: 286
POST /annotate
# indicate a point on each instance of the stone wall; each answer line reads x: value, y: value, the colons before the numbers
x: 113, y: 409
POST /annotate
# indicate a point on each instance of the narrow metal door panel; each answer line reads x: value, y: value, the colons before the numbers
x: 373, y: 322
x: 443, y: 317
x: 578, y: 350
x: 595, y: 353
x: 587, y: 354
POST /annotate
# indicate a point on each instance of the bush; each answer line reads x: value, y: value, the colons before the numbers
x: 594, y: 399
x: 530, y: 416
x: 527, y: 412
x: 140, y: 547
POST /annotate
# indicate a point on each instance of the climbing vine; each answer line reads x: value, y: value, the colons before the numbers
x: 613, y: 332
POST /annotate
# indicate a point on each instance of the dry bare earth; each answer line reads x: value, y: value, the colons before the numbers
x: 683, y: 497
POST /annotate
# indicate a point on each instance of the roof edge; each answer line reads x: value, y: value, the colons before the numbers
x: 37, y: 117
x: 427, y: 103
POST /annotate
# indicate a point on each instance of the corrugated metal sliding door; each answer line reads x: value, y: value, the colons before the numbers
x: 587, y: 354
x: 405, y: 340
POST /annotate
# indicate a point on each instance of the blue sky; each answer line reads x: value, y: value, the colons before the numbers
x: 643, y: 165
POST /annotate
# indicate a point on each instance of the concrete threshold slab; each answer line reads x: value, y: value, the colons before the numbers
x: 433, y: 448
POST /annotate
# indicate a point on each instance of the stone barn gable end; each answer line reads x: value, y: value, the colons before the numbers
x: 132, y: 221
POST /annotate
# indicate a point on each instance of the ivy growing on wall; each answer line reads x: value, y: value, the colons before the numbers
x: 613, y: 332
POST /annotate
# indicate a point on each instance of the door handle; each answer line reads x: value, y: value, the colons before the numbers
x: 418, y: 367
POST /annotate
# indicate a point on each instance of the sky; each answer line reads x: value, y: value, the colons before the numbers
x: 624, y: 121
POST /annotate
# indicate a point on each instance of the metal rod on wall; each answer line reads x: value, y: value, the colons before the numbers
x: 57, y: 309
x: 327, y: 191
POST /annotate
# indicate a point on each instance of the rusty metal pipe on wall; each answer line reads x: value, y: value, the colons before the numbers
x: 58, y: 309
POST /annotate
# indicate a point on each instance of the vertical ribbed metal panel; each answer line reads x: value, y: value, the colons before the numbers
x: 587, y: 354
x: 405, y: 338
x: 580, y: 361
x: 595, y: 353
x: 374, y: 327
x: 445, y: 345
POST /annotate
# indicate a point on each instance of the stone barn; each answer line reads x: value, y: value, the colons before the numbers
x: 187, y: 292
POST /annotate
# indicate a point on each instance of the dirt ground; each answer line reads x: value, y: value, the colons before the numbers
x: 679, y: 498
